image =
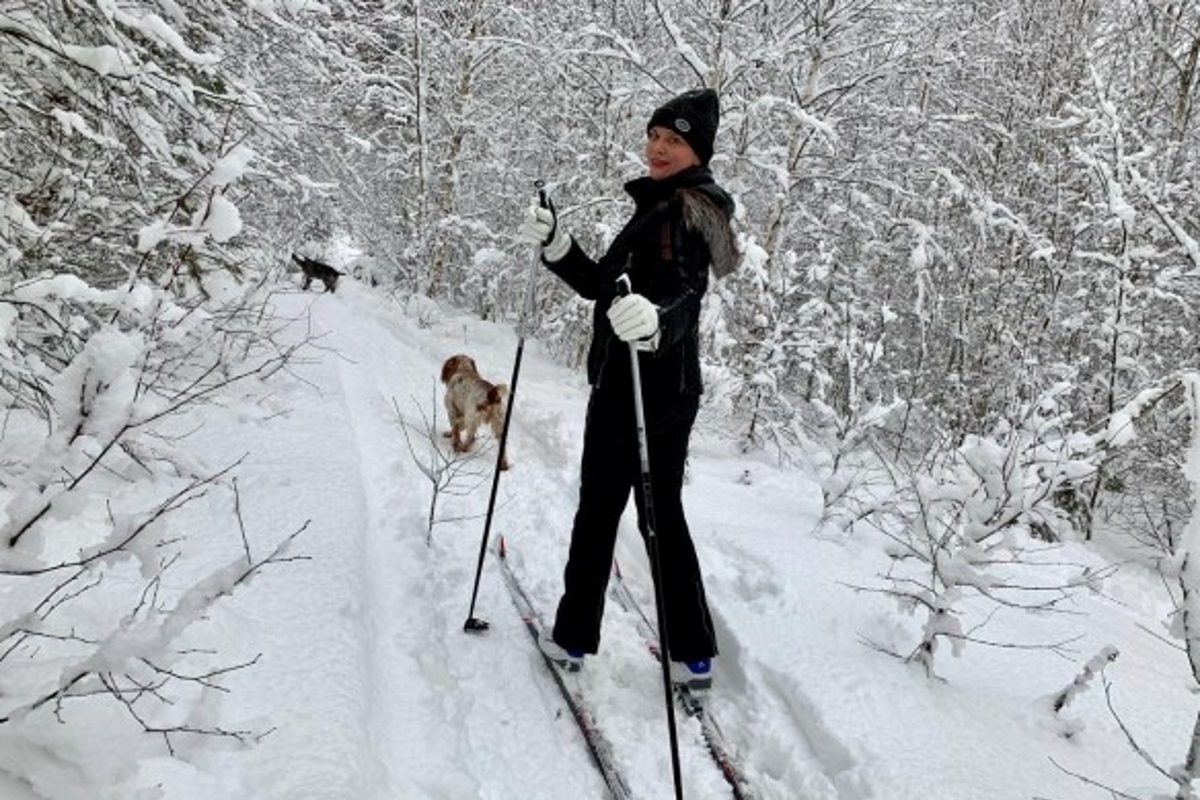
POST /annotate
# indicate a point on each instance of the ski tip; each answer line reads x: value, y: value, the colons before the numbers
x: 476, y: 625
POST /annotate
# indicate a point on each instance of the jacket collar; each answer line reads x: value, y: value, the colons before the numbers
x: 647, y: 191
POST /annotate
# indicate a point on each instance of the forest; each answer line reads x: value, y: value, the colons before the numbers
x: 970, y: 237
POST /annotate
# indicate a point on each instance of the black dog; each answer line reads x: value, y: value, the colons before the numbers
x: 315, y: 269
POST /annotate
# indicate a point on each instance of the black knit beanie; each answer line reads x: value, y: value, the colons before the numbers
x: 693, y: 115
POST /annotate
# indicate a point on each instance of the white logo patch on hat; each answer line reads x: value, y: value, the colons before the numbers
x: 682, y: 125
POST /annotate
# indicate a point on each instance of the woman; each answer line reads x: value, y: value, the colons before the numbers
x: 680, y: 226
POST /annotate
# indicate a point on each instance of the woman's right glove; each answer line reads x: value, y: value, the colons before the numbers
x: 541, y: 228
x: 634, y: 319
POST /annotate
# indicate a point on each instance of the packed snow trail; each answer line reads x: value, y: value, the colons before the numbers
x: 358, y: 669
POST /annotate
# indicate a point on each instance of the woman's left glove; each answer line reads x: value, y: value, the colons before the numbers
x: 635, y: 319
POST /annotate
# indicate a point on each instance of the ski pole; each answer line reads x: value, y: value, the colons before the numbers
x: 623, y: 288
x: 473, y: 623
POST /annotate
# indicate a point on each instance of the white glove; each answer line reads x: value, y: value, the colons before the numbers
x: 541, y: 227
x: 634, y: 318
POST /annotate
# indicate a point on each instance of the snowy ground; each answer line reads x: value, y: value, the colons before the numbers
x: 374, y: 692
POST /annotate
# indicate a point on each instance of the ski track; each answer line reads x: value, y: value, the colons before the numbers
x: 297, y: 635
x: 366, y: 408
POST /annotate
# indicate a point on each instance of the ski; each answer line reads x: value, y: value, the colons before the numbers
x: 598, y: 747
x: 690, y: 702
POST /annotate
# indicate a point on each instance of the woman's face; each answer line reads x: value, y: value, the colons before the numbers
x: 667, y: 153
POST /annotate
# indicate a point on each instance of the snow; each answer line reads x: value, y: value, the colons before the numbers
x: 224, y: 221
x: 106, y: 60
x: 219, y: 219
x: 231, y: 166
x: 157, y: 30
x: 75, y: 123
x: 370, y: 689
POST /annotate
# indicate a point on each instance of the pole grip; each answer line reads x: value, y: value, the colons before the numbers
x: 624, y: 287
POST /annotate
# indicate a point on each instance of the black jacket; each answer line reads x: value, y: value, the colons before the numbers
x: 679, y: 227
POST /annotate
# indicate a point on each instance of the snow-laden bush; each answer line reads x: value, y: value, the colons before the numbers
x: 1180, y: 567
x: 125, y: 307
x: 99, y: 496
x: 979, y: 521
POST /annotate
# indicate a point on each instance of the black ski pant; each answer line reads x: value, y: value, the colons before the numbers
x: 611, y: 468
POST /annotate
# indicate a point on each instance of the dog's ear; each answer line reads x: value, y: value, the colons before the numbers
x: 449, y: 368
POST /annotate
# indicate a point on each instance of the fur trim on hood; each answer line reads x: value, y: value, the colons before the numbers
x: 701, y: 213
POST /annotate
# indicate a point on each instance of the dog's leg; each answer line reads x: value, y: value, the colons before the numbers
x: 497, y: 423
x: 463, y: 436
x: 456, y: 425
x: 450, y: 416
x: 471, y: 427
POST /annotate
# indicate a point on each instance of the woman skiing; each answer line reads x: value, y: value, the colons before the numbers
x: 679, y: 228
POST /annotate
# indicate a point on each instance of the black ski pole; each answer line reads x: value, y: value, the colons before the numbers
x: 473, y: 623
x: 664, y: 648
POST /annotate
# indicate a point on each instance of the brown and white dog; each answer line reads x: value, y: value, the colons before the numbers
x: 470, y: 402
